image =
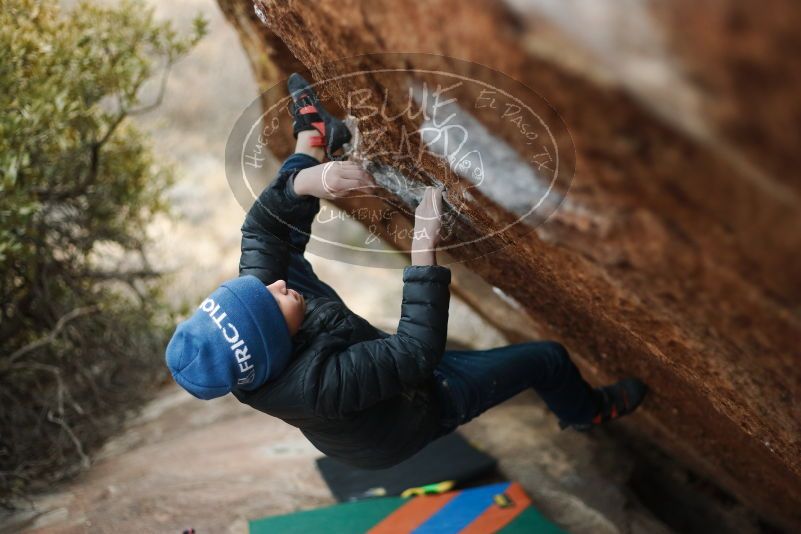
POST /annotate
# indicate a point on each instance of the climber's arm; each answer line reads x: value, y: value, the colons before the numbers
x: 332, y: 180
x: 291, y: 202
x: 267, y: 239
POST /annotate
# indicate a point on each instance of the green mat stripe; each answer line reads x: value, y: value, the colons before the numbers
x: 530, y: 521
x: 359, y: 516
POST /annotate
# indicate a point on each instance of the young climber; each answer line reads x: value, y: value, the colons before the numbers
x: 283, y: 341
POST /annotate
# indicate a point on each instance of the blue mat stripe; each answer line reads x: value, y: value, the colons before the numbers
x: 461, y: 510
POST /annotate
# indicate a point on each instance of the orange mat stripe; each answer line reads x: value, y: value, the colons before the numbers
x: 412, y: 514
x: 495, y: 517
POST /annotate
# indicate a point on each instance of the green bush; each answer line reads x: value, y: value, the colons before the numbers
x: 81, y: 336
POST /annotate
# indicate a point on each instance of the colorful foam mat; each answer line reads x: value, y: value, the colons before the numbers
x: 503, y: 507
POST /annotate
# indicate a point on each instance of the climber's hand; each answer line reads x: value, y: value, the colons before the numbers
x: 427, y: 225
x: 334, y: 179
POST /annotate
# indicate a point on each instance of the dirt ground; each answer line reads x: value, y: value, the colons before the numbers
x: 214, y: 465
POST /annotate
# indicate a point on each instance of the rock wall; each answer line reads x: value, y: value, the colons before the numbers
x: 745, y: 59
x: 675, y: 263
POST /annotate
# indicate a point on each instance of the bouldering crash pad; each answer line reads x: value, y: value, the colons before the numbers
x: 503, y: 507
x: 450, y: 458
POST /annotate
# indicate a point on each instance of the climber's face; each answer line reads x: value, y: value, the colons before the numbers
x: 291, y: 303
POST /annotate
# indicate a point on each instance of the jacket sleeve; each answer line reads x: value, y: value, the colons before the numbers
x: 278, y: 223
x: 371, y: 371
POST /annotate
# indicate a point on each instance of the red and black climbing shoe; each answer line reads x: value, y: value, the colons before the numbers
x: 616, y: 400
x: 310, y: 115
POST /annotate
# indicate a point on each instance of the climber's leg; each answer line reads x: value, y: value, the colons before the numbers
x: 307, y: 144
x: 474, y: 381
x: 470, y: 382
x: 310, y: 146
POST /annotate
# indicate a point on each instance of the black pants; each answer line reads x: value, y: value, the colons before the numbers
x: 471, y: 382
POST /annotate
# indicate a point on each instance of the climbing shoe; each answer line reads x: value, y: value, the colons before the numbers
x: 616, y: 400
x: 310, y: 115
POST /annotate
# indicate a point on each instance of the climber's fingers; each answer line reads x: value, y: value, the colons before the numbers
x: 430, y: 206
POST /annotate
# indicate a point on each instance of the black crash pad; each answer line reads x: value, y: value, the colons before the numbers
x: 448, y: 458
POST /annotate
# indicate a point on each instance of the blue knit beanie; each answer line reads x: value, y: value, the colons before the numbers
x: 237, y: 339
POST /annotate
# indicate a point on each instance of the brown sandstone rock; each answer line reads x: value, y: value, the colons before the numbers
x: 745, y: 58
x: 677, y: 268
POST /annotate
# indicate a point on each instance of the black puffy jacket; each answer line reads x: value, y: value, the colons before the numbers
x: 358, y: 394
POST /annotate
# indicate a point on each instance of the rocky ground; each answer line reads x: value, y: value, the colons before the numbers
x: 213, y: 465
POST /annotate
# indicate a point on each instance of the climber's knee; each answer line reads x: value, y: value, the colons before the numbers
x: 559, y: 363
x: 557, y: 351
